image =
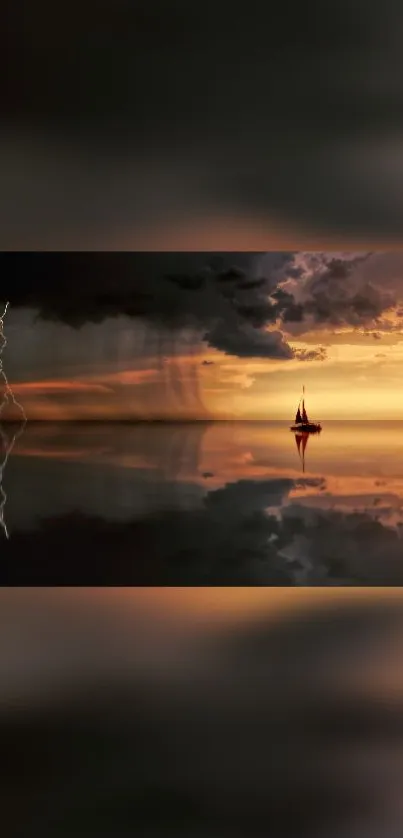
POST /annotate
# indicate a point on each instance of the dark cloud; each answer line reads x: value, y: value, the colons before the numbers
x: 287, y: 309
x: 187, y: 283
x: 319, y: 354
x: 247, y: 284
x: 231, y: 275
x: 258, y: 313
x: 323, y: 290
x: 243, y: 304
x: 206, y: 297
x: 245, y: 341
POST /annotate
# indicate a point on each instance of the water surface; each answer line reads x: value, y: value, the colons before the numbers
x: 226, y: 503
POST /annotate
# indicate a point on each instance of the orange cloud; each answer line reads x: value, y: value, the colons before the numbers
x: 60, y: 386
x: 130, y: 376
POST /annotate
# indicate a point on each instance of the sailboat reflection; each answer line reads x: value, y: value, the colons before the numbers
x: 7, y: 442
x: 302, y: 441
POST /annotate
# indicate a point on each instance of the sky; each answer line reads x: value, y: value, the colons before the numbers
x: 181, y: 125
x: 186, y: 336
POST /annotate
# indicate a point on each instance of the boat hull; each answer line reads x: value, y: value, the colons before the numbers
x: 307, y: 428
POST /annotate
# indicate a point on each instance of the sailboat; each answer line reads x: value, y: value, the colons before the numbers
x: 302, y: 423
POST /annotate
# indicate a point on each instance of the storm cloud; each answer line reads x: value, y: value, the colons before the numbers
x: 248, y: 305
x: 338, y: 290
x: 223, y: 303
x: 334, y: 287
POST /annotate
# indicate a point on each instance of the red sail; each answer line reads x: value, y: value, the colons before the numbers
x: 304, y: 414
x: 298, y: 418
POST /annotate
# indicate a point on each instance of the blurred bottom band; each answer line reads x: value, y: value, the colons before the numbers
x: 205, y: 712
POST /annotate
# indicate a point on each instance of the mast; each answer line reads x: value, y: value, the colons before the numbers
x: 304, y: 413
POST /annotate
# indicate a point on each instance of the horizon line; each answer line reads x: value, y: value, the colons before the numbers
x: 179, y: 421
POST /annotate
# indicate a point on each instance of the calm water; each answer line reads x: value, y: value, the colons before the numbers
x: 218, y: 503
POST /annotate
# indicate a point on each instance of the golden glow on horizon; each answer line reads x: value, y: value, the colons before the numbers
x: 353, y: 383
x: 360, y: 378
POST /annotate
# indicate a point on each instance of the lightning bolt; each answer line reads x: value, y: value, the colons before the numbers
x: 7, y: 445
x: 8, y: 395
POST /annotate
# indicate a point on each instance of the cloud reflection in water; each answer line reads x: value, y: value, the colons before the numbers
x: 205, y: 503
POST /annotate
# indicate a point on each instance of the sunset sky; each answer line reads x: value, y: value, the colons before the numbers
x: 200, y: 336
